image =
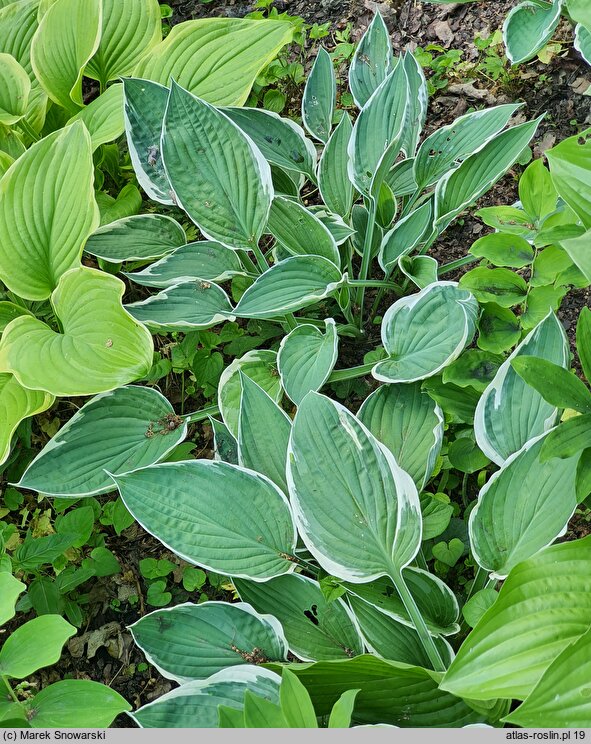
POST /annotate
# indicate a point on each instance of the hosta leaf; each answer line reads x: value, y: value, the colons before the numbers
x: 447, y: 146
x: 144, y: 107
x: 195, y: 704
x: 241, y: 47
x: 206, y: 260
x: 579, y: 251
x: 579, y: 11
x: 263, y: 433
x: 103, y: 117
x: 119, y: 431
x: 510, y: 412
x: 568, y: 439
x: 523, y: 508
x: 140, y: 237
x: 561, y: 697
x: 389, y: 693
x: 67, y: 37
x: 528, y: 27
x: 300, y: 231
x: 421, y: 270
x: 194, y: 641
x: 6, y: 161
x: 288, y: 286
x: 409, y: 423
x: 542, y: 607
x: 475, y: 176
x: 225, y: 444
x: 100, y: 348
x: 583, y: 42
x: 47, y: 211
x: 401, y: 178
x: 191, y: 305
x: 314, y: 627
x: 378, y: 130
x: 22, y: 653
x: 417, y: 103
x: 319, y: 97
x: 436, y: 601
x: 130, y: 29
x: 336, y: 467
x: 306, y: 358
x: 371, y: 62
x: 570, y: 162
x: 217, y: 173
x: 10, y: 588
x: 75, y: 703
x: 18, y: 24
x: 261, y: 366
x: 425, y: 332
x: 390, y: 639
x: 282, y: 141
x: 14, y: 90
x: 335, y: 187
x: 240, y: 524
x: 17, y: 403
x: 406, y: 235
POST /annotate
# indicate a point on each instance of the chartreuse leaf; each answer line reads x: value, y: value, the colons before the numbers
x: 103, y: 117
x: 15, y: 87
x: 479, y: 172
x: 295, y: 702
x: 119, y: 431
x: 242, y: 47
x: 528, y: 27
x: 314, y: 627
x: 501, y: 286
x: 525, y: 506
x: 503, y: 249
x: 561, y: 697
x: 258, y: 713
x: 335, y: 187
x: 406, y: 234
x: 510, y: 412
x: 372, y: 61
x: 263, y: 433
x: 442, y: 150
x: 6, y: 161
x: 47, y: 211
x: 10, y: 588
x: 219, y: 516
x: 578, y: 251
x: 389, y: 692
x: 319, y: 97
x: 34, y: 645
x: 570, y: 163
x: 300, y: 232
x: 378, y: 130
x: 194, y: 641
x: 188, y: 306
x: 282, y: 141
x: 289, y: 285
x: 21, y: 15
x: 195, y: 704
x: 17, y: 403
x: 536, y: 190
x: 424, y: 332
x: 67, y: 37
x: 558, y: 386
x: 144, y: 107
x: 542, y: 607
x: 568, y: 439
x: 140, y: 237
x: 100, y: 347
x: 342, y: 710
x: 206, y: 260
x: 129, y: 31
x: 217, y: 173
x: 584, y: 341
x: 409, y: 423
x: 75, y: 703
x: 261, y: 366
x: 306, y: 358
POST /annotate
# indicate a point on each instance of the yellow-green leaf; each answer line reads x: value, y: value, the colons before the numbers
x: 16, y: 404
x: 104, y: 116
x: 15, y: 87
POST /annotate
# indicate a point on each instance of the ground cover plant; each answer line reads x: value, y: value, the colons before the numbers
x: 398, y: 450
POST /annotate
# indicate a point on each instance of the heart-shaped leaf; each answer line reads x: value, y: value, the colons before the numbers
x: 306, y: 358
x: 449, y: 553
x: 137, y: 427
x: 53, y: 181
x: 424, y: 332
x: 141, y: 237
x: 240, y: 524
x: 100, y: 347
x: 17, y: 403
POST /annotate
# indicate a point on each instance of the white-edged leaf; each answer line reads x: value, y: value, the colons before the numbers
x: 119, y: 431
x: 406, y: 235
x: 529, y: 27
x: 372, y: 61
x: 305, y: 359
x: 335, y: 187
x: 409, y: 423
x: 421, y: 270
x: 583, y: 42
x: 417, y: 104
x: 300, y: 232
x: 141, y: 237
x: 217, y: 173
x: 357, y: 511
x: 510, y: 412
x: 319, y: 97
x: 215, y: 515
x: 424, y: 332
